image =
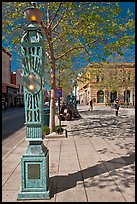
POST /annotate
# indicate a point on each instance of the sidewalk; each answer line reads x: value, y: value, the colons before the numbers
x: 93, y: 164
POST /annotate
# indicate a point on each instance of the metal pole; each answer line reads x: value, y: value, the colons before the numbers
x: 59, y: 106
x: 75, y: 94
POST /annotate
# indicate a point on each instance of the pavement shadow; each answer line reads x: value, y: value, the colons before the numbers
x: 64, y: 182
x: 113, y: 125
x: 95, y: 126
x: 73, y: 119
x: 102, y: 112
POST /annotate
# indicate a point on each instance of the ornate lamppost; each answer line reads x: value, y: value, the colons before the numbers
x: 35, y: 161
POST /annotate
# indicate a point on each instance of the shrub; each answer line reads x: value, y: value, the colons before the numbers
x: 58, y: 129
x: 108, y: 104
x: 46, y: 129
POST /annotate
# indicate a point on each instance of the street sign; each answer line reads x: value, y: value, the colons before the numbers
x: 58, y: 92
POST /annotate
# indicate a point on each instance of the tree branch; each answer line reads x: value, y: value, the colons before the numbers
x: 75, y: 48
x: 45, y: 28
x: 48, y: 15
x: 48, y: 55
x: 57, y: 23
x: 58, y: 37
x: 47, y: 33
x: 54, y: 16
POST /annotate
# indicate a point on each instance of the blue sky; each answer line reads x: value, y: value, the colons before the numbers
x: 79, y: 61
x: 129, y: 54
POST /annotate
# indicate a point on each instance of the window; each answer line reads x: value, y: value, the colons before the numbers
x: 100, y: 96
x: 111, y: 75
x: 102, y: 78
x: 115, y: 74
x: 126, y: 96
x: 124, y: 75
x: 129, y: 74
x: 113, y: 96
x: 97, y: 78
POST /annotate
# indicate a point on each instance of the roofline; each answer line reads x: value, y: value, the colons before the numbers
x: 6, y: 51
x: 126, y: 64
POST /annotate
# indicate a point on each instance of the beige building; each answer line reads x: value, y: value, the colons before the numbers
x: 104, y: 83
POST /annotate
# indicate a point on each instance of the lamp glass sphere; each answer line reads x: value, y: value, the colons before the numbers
x: 33, y: 14
x: 32, y: 83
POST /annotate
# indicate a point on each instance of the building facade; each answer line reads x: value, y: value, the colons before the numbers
x: 19, y: 83
x: 104, y: 83
x: 17, y: 79
x: 9, y: 90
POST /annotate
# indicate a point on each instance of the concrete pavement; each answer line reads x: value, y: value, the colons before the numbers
x: 95, y: 163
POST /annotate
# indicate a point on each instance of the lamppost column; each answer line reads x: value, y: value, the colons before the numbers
x: 35, y: 161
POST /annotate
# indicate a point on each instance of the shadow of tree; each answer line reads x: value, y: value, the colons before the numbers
x: 63, y: 182
x: 108, y: 127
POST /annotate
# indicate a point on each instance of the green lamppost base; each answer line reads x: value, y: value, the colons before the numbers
x: 33, y: 196
x: 35, y: 173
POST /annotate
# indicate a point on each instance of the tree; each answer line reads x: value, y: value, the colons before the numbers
x: 70, y: 28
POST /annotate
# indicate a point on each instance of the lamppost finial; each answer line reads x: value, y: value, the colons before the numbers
x: 33, y: 4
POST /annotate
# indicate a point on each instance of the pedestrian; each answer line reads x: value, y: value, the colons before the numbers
x: 91, y: 105
x: 116, y: 102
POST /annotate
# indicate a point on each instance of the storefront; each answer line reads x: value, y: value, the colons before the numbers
x: 9, y: 93
x: 12, y: 96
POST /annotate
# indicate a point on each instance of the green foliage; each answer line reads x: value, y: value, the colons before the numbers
x: 46, y: 129
x: 73, y: 25
x: 59, y: 129
x: 70, y: 28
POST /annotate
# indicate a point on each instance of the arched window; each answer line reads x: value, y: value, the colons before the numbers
x: 113, y: 96
x: 126, y: 96
x: 100, y: 96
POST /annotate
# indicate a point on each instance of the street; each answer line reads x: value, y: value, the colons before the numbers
x: 12, y: 120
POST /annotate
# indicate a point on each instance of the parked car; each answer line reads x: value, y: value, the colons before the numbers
x: 47, y: 105
x: 3, y: 103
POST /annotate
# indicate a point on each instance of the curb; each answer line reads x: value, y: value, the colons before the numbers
x: 56, y: 136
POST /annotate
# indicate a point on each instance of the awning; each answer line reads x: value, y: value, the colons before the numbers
x: 10, y: 85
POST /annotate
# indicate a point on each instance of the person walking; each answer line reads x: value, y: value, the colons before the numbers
x: 116, y: 102
x: 91, y: 105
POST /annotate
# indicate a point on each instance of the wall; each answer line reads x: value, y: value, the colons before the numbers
x: 89, y: 88
x: 6, y: 67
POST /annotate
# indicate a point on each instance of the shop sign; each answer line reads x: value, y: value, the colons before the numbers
x: 58, y: 92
